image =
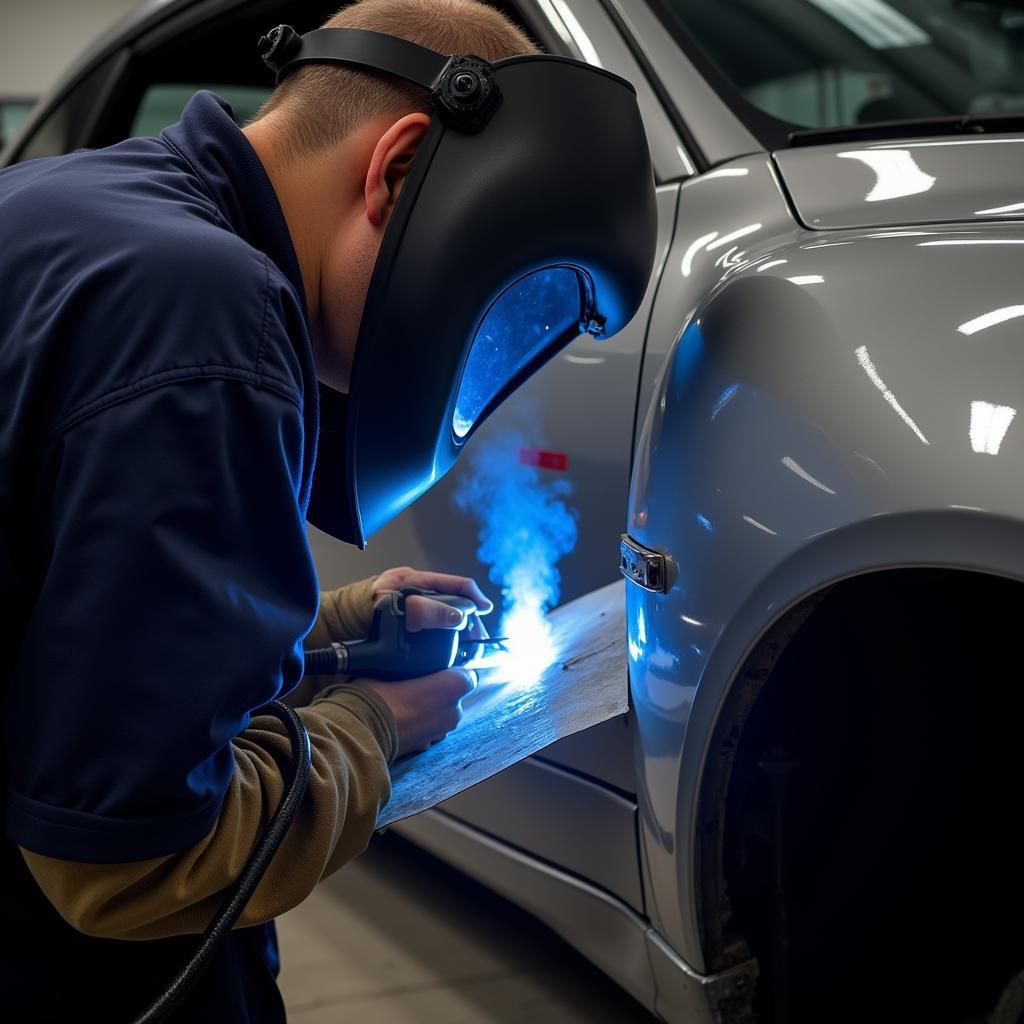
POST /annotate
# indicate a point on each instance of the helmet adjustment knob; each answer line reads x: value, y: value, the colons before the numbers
x: 465, y: 86
x: 465, y: 93
x: 278, y: 46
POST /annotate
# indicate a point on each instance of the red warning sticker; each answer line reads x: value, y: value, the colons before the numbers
x: 545, y: 460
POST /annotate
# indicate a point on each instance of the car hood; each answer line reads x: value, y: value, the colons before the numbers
x: 913, y: 181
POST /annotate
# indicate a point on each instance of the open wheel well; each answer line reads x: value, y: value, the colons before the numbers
x: 870, y: 750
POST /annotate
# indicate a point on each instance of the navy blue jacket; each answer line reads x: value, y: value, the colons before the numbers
x: 156, y: 454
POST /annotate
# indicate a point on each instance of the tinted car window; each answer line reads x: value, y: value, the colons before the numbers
x: 162, y: 104
x: 13, y: 114
x: 64, y: 127
x: 818, y: 63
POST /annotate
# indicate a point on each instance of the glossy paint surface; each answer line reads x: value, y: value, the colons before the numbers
x: 911, y: 181
x: 836, y: 402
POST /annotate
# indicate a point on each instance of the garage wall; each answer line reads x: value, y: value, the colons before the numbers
x: 39, y: 38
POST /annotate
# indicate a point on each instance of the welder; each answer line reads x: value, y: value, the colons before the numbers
x: 207, y: 339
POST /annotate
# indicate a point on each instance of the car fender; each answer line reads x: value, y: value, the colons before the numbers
x: 841, y: 403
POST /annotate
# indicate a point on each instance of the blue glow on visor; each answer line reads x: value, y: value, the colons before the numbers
x: 527, y: 318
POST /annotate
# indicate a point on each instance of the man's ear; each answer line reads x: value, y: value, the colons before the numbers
x: 389, y: 165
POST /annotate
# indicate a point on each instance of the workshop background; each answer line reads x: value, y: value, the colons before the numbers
x: 397, y: 936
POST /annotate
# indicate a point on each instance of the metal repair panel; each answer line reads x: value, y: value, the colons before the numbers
x: 586, y: 684
x: 531, y: 805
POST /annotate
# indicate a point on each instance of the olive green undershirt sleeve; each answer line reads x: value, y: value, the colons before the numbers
x: 352, y: 736
x: 344, y: 614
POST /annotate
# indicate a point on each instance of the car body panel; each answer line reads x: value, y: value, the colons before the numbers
x: 909, y: 181
x: 619, y: 941
x: 718, y: 134
x: 820, y: 416
x: 580, y: 826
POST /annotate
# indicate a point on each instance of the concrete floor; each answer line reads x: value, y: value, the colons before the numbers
x: 400, y: 938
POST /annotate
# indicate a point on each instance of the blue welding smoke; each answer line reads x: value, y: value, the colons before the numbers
x: 526, y: 527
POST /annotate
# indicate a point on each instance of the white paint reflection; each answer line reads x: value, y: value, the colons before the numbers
x: 807, y: 279
x: 712, y: 241
x: 583, y: 360
x: 747, y: 229
x: 997, y: 316
x: 1012, y: 208
x: 896, y: 173
x: 556, y: 22
x: 794, y: 467
x: 869, y: 368
x: 972, y: 241
x: 760, y: 526
x: 726, y: 172
x: 989, y: 424
x: 684, y: 158
x: 580, y: 37
x: 772, y: 263
x: 692, y: 250
x: 691, y: 621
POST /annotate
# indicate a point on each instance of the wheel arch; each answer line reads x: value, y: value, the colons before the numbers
x: 753, y: 688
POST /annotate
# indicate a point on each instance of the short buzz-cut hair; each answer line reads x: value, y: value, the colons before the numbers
x: 321, y: 104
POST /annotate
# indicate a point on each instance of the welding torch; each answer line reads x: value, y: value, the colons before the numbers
x: 391, y: 651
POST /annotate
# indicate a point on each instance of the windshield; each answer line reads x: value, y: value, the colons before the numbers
x: 790, y: 64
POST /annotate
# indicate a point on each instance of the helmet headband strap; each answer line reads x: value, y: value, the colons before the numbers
x: 462, y: 88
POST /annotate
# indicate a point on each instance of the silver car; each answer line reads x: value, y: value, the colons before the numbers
x: 813, y: 811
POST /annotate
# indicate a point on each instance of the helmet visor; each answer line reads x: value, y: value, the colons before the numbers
x: 526, y: 325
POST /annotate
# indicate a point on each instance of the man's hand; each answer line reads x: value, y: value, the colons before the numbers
x: 421, y: 612
x: 425, y: 709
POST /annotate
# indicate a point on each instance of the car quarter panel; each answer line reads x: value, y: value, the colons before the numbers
x: 837, y: 403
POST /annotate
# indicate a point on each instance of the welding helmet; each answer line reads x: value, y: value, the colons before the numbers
x: 527, y: 218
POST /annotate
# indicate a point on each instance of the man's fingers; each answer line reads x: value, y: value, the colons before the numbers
x: 445, y: 583
x: 477, y: 630
x: 464, y: 681
x: 425, y: 613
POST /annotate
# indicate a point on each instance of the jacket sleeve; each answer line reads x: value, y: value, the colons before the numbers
x: 344, y: 614
x: 172, y: 588
x: 352, y: 736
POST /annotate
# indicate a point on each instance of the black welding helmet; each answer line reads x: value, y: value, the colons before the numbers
x: 527, y: 218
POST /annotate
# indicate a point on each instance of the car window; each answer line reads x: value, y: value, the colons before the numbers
x: 162, y: 104
x: 62, y: 128
x: 13, y: 114
x: 825, y: 63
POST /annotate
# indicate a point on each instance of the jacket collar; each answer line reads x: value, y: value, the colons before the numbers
x: 222, y: 157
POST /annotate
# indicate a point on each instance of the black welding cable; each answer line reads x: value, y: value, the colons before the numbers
x: 238, y: 896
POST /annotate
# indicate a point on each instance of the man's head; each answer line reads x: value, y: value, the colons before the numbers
x: 338, y: 143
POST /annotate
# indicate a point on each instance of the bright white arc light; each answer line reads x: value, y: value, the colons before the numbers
x: 997, y: 316
x: 869, y: 368
x: 530, y: 645
x: 989, y: 424
x: 807, y: 279
x: 896, y: 173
